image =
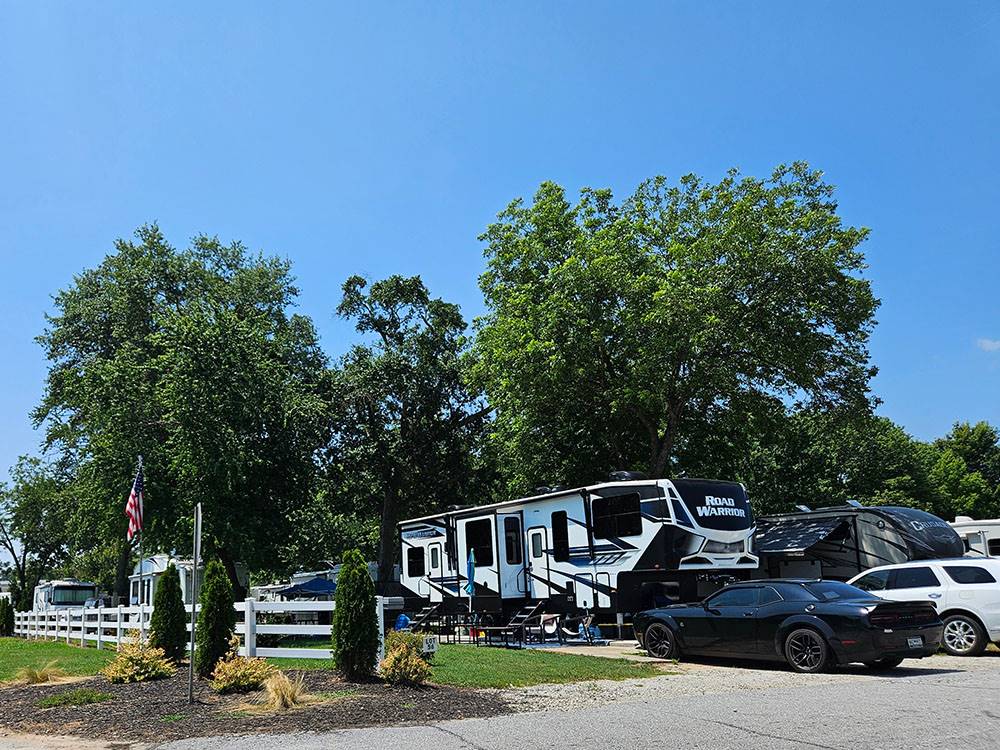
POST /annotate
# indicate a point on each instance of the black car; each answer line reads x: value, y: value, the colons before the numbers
x: 807, y: 623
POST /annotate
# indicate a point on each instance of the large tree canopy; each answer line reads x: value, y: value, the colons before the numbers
x: 408, y: 426
x: 191, y: 358
x: 616, y: 331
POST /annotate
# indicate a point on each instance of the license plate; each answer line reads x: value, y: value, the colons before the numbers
x: 914, y: 642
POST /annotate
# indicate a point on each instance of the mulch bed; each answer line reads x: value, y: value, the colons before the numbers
x: 159, y: 710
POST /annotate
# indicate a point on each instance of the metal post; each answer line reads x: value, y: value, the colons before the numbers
x: 380, y: 606
x: 118, y: 623
x: 196, y: 550
x: 249, y: 628
x: 100, y: 626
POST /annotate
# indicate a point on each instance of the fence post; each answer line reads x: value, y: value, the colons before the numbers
x: 250, y: 628
x: 100, y: 625
x: 83, y: 627
x: 118, y: 624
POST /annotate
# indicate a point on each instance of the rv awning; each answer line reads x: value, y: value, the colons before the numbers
x: 794, y: 534
x: 315, y: 587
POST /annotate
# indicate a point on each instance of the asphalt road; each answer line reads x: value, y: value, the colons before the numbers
x: 941, y: 702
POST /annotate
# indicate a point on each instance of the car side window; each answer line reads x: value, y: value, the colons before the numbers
x: 768, y: 596
x: 877, y: 581
x: 744, y: 596
x: 969, y: 574
x: 912, y: 578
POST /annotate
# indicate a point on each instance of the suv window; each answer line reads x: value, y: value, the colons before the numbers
x: 912, y: 578
x: 877, y: 581
x: 969, y: 574
x: 744, y: 596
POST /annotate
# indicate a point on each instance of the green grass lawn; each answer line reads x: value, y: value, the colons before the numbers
x: 465, y: 666
x: 16, y: 653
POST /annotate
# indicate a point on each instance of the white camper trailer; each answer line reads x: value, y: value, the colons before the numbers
x: 153, y: 568
x: 64, y: 593
x: 620, y: 546
x: 979, y: 536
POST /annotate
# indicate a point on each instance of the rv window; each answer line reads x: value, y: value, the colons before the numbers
x: 560, y: 536
x: 513, y: 545
x: 994, y: 547
x: 969, y: 574
x: 877, y: 581
x: 536, y: 544
x: 912, y: 578
x: 479, y: 538
x: 435, y: 558
x: 415, y: 562
x: 617, y: 516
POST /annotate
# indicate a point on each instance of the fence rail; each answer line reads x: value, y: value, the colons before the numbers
x: 108, y: 627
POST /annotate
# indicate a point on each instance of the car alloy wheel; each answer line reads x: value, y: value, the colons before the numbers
x: 659, y: 641
x: 806, y: 651
x: 963, y: 636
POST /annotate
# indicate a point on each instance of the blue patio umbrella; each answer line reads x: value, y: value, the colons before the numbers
x: 470, y: 573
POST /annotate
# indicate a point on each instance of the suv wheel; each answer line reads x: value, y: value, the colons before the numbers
x: 660, y: 642
x: 963, y: 636
x: 806, y: 651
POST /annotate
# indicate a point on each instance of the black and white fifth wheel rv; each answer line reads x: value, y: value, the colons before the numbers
x: 838, y: 543
x: 621, y: 546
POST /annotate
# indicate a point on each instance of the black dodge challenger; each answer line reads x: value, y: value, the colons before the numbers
x: 809, y: 624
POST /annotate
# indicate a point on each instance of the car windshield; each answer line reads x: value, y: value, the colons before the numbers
x: 829, y: 591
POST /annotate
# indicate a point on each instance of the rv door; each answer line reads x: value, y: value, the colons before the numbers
x: 538, y: 563
x: 511, y: 547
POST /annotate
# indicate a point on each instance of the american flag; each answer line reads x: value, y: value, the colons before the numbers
x: 133, y: 508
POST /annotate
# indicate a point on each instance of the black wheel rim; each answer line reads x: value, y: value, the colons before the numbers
x: 659, y: 641
x: 805, y: 650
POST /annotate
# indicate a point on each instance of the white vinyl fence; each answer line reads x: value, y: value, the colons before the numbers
x: 107, y: 627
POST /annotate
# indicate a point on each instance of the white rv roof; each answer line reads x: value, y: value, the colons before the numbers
x: 968, y: 523
x: 520, y: 501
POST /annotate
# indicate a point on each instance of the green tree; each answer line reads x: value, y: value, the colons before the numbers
x: 216, y: 619
x: 615, y: 330
x: 168, y: 624
x: 6, y: 617
x: 33, y: 512
x: 408, y: 430
x: 355, y: 624
x: 191, y: 358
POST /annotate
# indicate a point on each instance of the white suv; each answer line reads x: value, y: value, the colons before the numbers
x: 966, y: 592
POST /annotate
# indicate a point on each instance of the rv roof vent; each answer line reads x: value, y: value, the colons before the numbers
x: 626, y: 476
x: 855, y: 504
x: 452, y: 508
x: 543, y: 490
x: 804, y: 508
x: 963, y: 519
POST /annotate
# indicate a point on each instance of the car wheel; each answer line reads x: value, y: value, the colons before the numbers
x: 883, y: 665
x: 660, y: 642
x: 963, y: 636
x: 806, y: 651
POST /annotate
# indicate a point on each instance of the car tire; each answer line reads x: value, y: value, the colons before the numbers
x: 883, y: 665
x: 963, y: 636
x: 806, y: 651
x: 660, y: 641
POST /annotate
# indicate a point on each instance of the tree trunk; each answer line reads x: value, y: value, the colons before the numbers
x: 122, y: 572
x: 387, y: 538
x: 239, y: 593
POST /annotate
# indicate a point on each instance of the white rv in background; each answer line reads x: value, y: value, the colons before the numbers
x: 979, y: 536
x: 621, y: 546
x: 64, y: 593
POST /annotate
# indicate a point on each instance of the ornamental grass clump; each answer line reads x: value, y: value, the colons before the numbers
x: 138, y: 662
x: 38, y: 675
x: 284, y: 693
x: 240, y: 674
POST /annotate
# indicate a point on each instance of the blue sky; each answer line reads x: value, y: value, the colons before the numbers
x: 378, y: 139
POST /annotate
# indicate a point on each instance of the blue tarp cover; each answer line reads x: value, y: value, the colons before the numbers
x: 315, y: 587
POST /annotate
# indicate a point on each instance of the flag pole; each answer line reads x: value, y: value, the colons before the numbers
x: 142, y: 582
x: 195, y: 554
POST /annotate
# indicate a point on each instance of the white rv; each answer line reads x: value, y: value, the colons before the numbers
x: 621, y: 546
x: 979, y: 536
x: 64, y: 593
x: 152, y: 569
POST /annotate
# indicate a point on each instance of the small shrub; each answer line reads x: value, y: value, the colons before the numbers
x: 168, y: 624
x: 216, y: 620
x: 405, y: 665
x: 240, y: 674
x: 138, y: 662
x: 283, y: 693
x: 6, y: 617
x: 79, y: 697
x: 355, y: 625
x: 37, y: 675
x: 395, y: 639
